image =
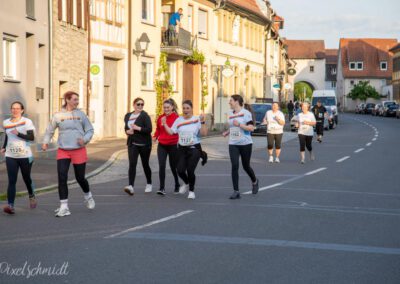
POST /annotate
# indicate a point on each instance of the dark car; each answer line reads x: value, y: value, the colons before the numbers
x: 259, y: 112
x: 391, y: 110
x: 368, y: 108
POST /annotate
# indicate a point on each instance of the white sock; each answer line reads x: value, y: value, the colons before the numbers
x: 88, y: 195
x: 64, y: 204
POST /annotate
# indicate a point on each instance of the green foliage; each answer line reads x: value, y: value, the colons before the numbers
x: 162, y: 84
x: 197, y: 57
x: 204, y: 90
x: 362, y: 91
x: 299, y: 88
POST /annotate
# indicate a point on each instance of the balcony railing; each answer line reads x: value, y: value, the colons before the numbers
x: 176, y: 44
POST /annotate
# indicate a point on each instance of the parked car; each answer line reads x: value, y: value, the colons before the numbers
x: 391, y: 110
x: 376, y: 109
x: 386, y: 105
x: 368, y: 108
x: 359, y: 108
x: 398, y: 112
x: 259, y: 112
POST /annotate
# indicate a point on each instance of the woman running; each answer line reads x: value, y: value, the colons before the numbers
x: 74, y: 132
x: 138, y: 128
x: 189, y: 128
x: 17, y: 149
x: 275, y: 120
x: 306, y: 121
x: 241, y: 125
x: 167, y: 145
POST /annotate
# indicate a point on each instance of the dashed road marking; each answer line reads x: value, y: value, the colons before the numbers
x: 359, y: 150
x: 342, y: 159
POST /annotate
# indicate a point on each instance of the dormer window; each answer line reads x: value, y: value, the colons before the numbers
x: 356, y: 66
x: 352, y: 66
x: 383, y: 65
x: 360, y: 66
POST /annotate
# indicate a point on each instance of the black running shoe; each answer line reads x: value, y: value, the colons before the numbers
x: 177, y: 186
x: 161, y: 191
x: 255, y: 188
x: 235, y: 195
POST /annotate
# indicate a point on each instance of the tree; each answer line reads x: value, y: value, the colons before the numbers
x: 301, y: 89
x: 362, y: 91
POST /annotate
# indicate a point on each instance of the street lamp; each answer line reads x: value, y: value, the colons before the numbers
x: 142, y: 44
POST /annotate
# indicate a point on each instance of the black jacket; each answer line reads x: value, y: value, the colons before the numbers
x: 144, y: 135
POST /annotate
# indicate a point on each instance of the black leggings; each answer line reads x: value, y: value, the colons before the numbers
x: 319, y: 127
x: 133, y: 153
x: 62, y: 169
x: 189, y: 157
x: 274, y: 139
x: 163, y: 151
x: 13, y: 166
x: 244, y: 152
x: 305, y: 141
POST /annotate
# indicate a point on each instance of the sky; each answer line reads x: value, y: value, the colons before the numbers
x: 331, y: 20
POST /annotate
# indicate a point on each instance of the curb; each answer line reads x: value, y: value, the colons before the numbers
x: 93, y: 173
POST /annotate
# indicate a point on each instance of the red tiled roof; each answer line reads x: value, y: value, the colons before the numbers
x: 306, y: 49
x: 369, y: 51
x: 331, y: 55
x: 395, y: 49
x: 249, y: 5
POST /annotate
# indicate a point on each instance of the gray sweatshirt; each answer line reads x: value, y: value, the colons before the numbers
x: 71, y: 125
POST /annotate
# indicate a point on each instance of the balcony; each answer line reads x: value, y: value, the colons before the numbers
x: 178, y: 45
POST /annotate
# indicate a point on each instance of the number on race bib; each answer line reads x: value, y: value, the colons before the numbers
x: 17, y: 148
x: 186, y: 138
x: 235, y: 133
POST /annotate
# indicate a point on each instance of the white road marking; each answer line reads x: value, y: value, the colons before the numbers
x: 359, y: 150
x: 368, y: 144
x: 342, y: 159
x: 265, y: 188
x: 150, y: 224
x: 373, y: 139
x: 314, y: 172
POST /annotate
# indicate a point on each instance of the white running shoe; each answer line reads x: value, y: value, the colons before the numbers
x: 149, y: 188
x: 303, y: 161
x: 271, y: 159
x: 183, y: 188
x: 129, y: 189
x: 277, y: 160
x: 312, y: 156
x: 191, y: 195
x: 63, y: 212
x: 90, y: 204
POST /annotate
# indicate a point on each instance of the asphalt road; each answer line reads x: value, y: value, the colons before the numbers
x: 332, y: 220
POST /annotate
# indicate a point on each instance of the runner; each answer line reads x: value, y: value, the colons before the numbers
x: 19, y: 135
x: 138, y: 128
x: 241, y: 125
x: 306, y: 121
x: 74, y: 132
x: 319, y: 112
x: 167, y: 145
x: 275, y: 120
x: 189, y: 128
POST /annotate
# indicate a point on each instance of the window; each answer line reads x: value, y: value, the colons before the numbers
x: 311, y: 69
x: 352, y: 66
x: 356, y: 66
x: 172, y: 74
x: 203, y: 23
x: 83, y: 14
x: 63, y: 10
x: 190, y: 19
x: 9, y: 58
x: 74, y: 12
x: 119, y: 12
x: 148, y: 11
x: 360, y: 66
x: 333, y: 71
x: 110, y: 10
x: 147, y: 73
x: 383, y: 65
x: 333, y: 84
x: 92, y: 9
x: 352, y: 82
x: 30, y: 9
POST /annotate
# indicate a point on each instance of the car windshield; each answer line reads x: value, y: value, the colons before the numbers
x: 260, y: 110
x: 326, y: 101
x: 388, y: 104
x: 394, y: 106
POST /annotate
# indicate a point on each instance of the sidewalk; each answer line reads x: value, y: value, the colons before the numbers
x: 44, y: 171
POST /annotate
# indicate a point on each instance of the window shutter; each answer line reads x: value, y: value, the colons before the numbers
x: 79, y: 13
x: 59, y: 10
x: 85, y: 14
x: 69, y: 11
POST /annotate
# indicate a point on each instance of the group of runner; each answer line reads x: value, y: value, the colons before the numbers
x: 178, y: 139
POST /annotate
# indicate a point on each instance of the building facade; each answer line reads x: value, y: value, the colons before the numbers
x: 396, y: 73
x: 331, y: 59
x: 24, y: 61
x: 363, y: 60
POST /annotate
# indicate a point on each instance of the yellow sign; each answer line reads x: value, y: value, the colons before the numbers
x: 95, y: 69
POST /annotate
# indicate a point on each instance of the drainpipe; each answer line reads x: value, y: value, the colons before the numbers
x: 129, y: 56
x: 50, y: 11
x: 88, y: 89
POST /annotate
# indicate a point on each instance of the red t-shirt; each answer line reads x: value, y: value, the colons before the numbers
x: 162, y: 136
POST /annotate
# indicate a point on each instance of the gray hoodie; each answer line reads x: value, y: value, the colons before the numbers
x: 71, y: 125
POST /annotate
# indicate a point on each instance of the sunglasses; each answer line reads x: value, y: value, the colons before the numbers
x: 140, y: 104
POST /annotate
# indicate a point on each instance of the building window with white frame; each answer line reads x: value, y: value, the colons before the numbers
x: 333, y: 84
x: 110, y: 10
x: 75, y: 12
x: 172, y: 74
x: 333, y: 71
x: 9, y: 58
x: 360, y: 66
x: 148, y: 11
x: 147, y: 73
x: 190, y: 19
x: 383, y: 65
x: 311, y: 69
x: 119, y: 18
x: 352, y: 66
x: 64, y: 10
x: 30, y: 9
x: 203, y: 23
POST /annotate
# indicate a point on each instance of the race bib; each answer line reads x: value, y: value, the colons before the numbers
x: 186, y: 138
x: 17, y: 148
x: 235, y: 133
x: 320, y: 115
x: 304, y: 127
x: 273, y: 126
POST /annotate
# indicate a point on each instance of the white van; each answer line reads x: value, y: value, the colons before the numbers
x: 328, y: 100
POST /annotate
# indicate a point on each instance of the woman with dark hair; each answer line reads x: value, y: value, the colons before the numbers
x: 189, y: 128
x: 167, y: 145
x: 241, y: 124
x: 138, y: 129
x: 275, y: 121
x: 74, y: 132
x: 19, y: 135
